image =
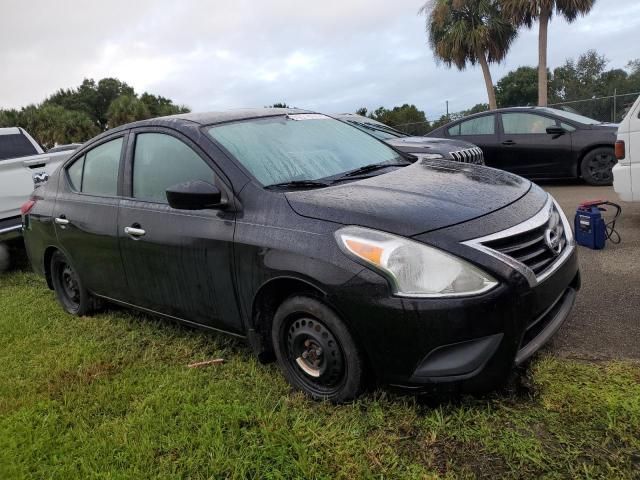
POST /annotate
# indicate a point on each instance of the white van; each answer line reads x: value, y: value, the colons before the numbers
x: 626, y: 173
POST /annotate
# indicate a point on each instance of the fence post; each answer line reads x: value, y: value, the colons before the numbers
x: 615, y: 99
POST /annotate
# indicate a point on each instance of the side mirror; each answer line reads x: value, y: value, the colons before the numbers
x: 556, y: 131
x: 194, y: 195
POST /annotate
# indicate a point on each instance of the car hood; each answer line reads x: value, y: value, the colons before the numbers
x: 425, y: 196
x: 427, y: 145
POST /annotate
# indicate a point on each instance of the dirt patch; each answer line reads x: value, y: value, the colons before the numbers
x: 70, y: 379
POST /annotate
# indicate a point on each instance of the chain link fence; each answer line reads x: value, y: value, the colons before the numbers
x: 612, y: 108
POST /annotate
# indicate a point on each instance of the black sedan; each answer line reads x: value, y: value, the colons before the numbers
x: 420, y: 147
x: 319, y: 244
x: 540, y: 143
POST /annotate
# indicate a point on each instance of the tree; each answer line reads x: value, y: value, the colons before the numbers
x: 469, y: 32
x: 479, y: 107
x: 278, y: 105
x: 518, y: 88
x: 362, y: 111
x: 526, y: 12
x: 159, y: 106
x: 126, y: 109
x: 407, y: 118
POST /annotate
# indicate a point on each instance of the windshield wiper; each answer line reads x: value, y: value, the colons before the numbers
x: 371, y: 168
x: 298, y: 184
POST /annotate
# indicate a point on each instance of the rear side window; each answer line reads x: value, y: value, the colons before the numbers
x: 15, y: 145
x: 525, y: 123
x: 75, y: 174
x: 476, y: 126
x: 162, y: 161
x: 97, y: 172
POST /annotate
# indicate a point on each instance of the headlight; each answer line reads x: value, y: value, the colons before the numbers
x: 414, y: 269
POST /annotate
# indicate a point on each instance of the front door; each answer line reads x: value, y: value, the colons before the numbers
x: 86, y: 214
x: 528, y: 150
x: 177, y: 262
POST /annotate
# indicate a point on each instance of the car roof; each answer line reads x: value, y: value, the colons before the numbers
x: 204, y: 118
x: 547, y: 110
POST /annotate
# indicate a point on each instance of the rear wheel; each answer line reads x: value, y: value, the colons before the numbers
x: 71, y: 294
x: 597, y: 166
x: 316, y: 352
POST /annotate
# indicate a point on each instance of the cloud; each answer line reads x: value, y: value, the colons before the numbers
x: 331, y: 56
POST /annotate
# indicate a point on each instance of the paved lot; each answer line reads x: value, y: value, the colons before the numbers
x: 605, y: 322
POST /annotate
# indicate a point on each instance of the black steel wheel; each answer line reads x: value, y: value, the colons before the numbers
x: 70, y: 292
x: 316, y: 352
x: 597, y: 166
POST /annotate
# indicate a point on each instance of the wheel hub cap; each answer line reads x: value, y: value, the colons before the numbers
x: 315, y: 351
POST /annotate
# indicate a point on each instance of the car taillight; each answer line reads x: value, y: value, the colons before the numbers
x: 27, y: 206
x: 620, y: 149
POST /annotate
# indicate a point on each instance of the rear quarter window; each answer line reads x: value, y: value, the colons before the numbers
x: 15, y: 146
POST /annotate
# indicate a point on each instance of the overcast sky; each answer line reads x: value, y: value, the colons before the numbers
x: 331, y: 56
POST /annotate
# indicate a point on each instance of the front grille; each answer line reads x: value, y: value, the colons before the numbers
x: 469, y: 155
x: 537, y: 248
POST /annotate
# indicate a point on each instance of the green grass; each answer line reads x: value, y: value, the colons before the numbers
x: 111, y: 397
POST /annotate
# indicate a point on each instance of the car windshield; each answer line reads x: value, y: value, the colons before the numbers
x: 574, y: 116
x: 298, y: 147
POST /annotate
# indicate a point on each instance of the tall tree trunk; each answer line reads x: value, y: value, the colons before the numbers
x: 542, y: 58
x: 491, y: 93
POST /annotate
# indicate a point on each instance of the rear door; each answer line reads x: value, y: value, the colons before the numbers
x: 86, y: 216
x: 177, y: 262
x: 481, y: 131
x: 528, y: 150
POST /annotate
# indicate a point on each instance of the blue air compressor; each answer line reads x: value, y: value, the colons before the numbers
x: 591, y: 229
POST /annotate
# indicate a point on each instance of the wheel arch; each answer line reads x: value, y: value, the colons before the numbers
x: 46, y: 259
x: 266, y: 301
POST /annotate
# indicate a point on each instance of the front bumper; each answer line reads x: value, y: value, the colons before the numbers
x: 466, y: 344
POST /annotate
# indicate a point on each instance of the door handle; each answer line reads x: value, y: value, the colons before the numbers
x: 134, y: 232
x: 508, y: 142
x: 37, y: 163
x: 61, y: 220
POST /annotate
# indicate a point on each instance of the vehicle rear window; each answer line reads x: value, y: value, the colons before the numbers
x: 96, y: 173
x: 15, y: 145
x: 299, y: 147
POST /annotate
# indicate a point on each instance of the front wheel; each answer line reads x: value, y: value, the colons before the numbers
x: 316, y: 352
x: 71, y: 294
x: 597, y: 166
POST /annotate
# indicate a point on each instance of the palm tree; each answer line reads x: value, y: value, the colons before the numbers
x: 526, y: 12
x: 463, y: 32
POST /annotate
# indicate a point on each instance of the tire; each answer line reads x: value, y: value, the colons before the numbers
x: 315, y: 351
x: 596, y: 166
x: 70, y: 292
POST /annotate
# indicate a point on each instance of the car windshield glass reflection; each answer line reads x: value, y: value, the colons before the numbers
x: 295, y: 147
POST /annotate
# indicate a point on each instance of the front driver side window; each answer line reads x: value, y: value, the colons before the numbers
x: 161, y: 161
x: 525, y: 123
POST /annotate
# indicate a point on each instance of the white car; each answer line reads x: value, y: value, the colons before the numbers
x: 626, y: 173
x: 23, y: 166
